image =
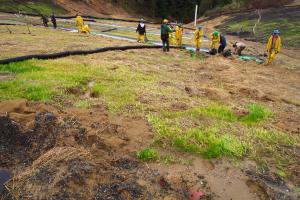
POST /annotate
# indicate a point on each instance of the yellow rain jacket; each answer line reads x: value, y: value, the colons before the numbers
x: 86, y: 29
x: 178, y: 35
x: 215, y: 41
x: 273, y: 47
x: 79, y: 23
x: 276, y: 47
x: 171, y: 38
x: 198, y: 37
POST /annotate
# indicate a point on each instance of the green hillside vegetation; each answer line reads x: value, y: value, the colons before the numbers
x: 287, y: 20
x: 34, y: 7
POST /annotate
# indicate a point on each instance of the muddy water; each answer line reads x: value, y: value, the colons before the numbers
x: 5, y: 175
x: 224, y: 180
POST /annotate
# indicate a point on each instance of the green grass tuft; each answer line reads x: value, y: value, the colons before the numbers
x: 257, y: 113
x: 19, y: 67
x: 147, y: 154
x: 273, y: 137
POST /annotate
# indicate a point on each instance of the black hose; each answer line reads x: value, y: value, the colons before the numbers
x: 78, y: 52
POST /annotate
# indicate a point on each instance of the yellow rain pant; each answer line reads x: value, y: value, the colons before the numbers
x: 271, y: 57
x: 198, y: 36
x: 178, y: 35
x: 86, y: 29
x: 141, y: 38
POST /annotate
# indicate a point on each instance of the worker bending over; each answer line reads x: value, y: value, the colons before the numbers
x: 198, y: 37
x: 141, y: 30
x: 178, y: 34
x: 81, y: 27
x: 165, y: 30
x: 223, y: 44
x: 239, y: 47
x: 273, y: 46
x: 215, y: 41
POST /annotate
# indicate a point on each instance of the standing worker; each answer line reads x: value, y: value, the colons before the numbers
x: 165, y: 30
x: 141, y: 30
x: 44, y: 20
x: 239, y: 47
x: 53, y: 20
x: 198, y: 37
x: 178, y: 34
x: 79, y: 23
x: 223, y: 44
x: 215, y: 41
x: 273, y: 46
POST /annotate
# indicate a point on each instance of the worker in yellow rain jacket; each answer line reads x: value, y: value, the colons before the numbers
x: 198, y: 37
x: 86, y: 29
x: 215, y: 40
x: 273, y: 46
x: 178, y: 34
x: 79, y: 23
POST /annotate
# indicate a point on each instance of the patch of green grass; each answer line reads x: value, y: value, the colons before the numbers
x: 20, y: 89
x: 207, y: 142
x: 19, y: 67
x: 38, y: 6
x: 211, y: 110
x: 257, y: 113
x: 147, y: 154
x: 273, y: 137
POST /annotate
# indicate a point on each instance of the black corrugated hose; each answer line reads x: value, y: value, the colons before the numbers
x: 79, y: 52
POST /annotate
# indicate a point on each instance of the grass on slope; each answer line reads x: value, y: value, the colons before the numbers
x: 284, y: 19
x: 46, y: 7
x: 133, y: 83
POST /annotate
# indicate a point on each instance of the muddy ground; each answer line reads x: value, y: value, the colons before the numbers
x: 88, y: 154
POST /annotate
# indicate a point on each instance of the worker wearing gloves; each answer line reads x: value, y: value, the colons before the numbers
x: 273, y: 46
x: 215, y: 41
x: 198, y: 37
x: 141, y: 30
x: 223, y: 44
x: 178, y: 34
x: 79, y: 23
x: 165, y: 30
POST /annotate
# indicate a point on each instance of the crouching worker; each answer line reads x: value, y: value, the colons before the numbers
x: 141, y: 30
x: 86, y: 29
x: 178, y: 34
x: 198, y: 37
x: 223, y: 44
x: 215, y: 41
x: 273, y: 46
x: 239, y: 47
x: 165, y: 30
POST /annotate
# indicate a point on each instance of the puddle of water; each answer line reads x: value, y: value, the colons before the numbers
x: 5, y: 175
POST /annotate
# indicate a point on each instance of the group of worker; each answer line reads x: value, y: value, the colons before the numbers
x: 217, y: 45
x: 45, y: 20
x: 218, y: 41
